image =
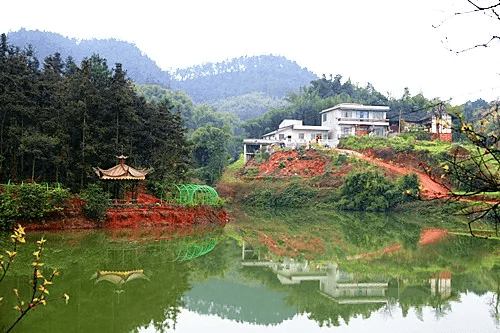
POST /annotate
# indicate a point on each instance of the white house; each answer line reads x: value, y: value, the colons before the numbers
x: 355, y: 119
x: 293, y: 131
x: 341, y: 120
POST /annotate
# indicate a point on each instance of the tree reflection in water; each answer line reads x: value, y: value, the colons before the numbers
x: 232, y: 282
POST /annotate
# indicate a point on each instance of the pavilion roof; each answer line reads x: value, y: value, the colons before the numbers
x: 122, y: 172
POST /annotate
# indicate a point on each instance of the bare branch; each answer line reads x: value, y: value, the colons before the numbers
x: 487, y: 44
x: 479, y: 8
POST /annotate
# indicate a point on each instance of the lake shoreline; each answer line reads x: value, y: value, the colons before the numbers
x: 133, y: 216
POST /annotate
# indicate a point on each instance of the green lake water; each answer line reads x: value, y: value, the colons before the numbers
x: 212, y: 282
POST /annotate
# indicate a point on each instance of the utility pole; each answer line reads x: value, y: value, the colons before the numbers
x: 399, y: 126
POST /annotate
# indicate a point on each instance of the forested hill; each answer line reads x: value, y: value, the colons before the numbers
x: 138, y: 66
x: 274, y: 76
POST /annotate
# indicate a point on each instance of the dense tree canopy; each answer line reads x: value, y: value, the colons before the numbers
x: 59, y: 122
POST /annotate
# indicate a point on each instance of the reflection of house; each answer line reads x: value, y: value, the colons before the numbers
x: 341, y: 120
x: 441, y: 284
x: 342, y: 287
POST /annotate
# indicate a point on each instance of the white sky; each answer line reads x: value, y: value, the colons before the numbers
x: 389, y: 43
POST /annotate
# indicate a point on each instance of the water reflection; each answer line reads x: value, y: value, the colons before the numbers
x: 123, y: 286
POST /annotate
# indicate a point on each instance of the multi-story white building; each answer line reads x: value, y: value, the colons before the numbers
x: 341, y: 120
x: 355, y: 119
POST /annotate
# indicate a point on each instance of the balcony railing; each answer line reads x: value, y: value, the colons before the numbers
x: 364, y: 120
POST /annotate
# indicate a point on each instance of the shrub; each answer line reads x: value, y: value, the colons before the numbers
x: 163, y: 190
x: 371, y: 191
x: 262, y: 156
x: 8, y: 207
x: 294, y: 195
x: 29, y: 201
x: 251, y: 172
x: 32, y: 199
x: 339, y: 159
x: 97, y: 202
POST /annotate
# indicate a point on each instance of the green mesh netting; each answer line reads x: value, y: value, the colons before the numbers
x: 193, y: 193
x: 190, y: 251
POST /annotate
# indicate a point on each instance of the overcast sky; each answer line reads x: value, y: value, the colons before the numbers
x: 390, y: 43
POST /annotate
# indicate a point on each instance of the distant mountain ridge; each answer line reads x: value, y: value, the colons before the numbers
x: 275, y: 76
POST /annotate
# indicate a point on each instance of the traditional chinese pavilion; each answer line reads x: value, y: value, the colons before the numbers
x: 122, y: 181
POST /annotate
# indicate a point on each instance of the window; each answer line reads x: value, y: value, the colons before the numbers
x: 362, y: 114
x: 301, y: 136
x: 282, y: 136
x: 378, y: 131
x: 378, y: 115
x: 324, y: 117
x: 345, y: 131
x: 346, y: 114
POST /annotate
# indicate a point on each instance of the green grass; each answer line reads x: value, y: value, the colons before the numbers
x: 491, y: 195
x: 434, y: 147
x: 237, y: 165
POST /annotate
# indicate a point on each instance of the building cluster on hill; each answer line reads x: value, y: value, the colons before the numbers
x: 344, y: 120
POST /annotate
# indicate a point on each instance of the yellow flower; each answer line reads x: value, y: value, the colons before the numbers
x: 37, y: 254
x: 39, y: 274
x: 17, y: 308
x: 41, y: 241
x: 15, y: 292
x: 55, y: 272
x: 37, y: 264
x: 43, y: 289
x: 66, y: 298
x: 11, y: 254
x: 20, y: 229
x: 45, y: 282
x: 44, y: 302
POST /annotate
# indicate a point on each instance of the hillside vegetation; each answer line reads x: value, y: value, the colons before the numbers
x: 271, y: 75
x: 289, y: 178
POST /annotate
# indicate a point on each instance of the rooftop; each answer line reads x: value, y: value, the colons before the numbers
x: 356, y: 107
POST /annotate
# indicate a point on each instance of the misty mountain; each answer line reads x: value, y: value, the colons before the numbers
x: 274, y: 76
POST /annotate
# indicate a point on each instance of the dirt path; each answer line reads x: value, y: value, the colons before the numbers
x: 430, y: 188
x: 427, y: 237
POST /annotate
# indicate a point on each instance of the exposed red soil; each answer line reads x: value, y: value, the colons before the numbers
x: 146, y: 213
x: 431, y: 188
x: 312, y: 163
x: 294, y: 245
x: 310, y: 247
x: 427, y: 237
x: 291, y: 163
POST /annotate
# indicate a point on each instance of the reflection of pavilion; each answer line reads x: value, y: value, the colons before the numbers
x: 117, y: 269
x: 342, y: 287
x: 119, y: 277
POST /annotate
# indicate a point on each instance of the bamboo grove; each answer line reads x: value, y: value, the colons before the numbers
x: 60, y: 120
